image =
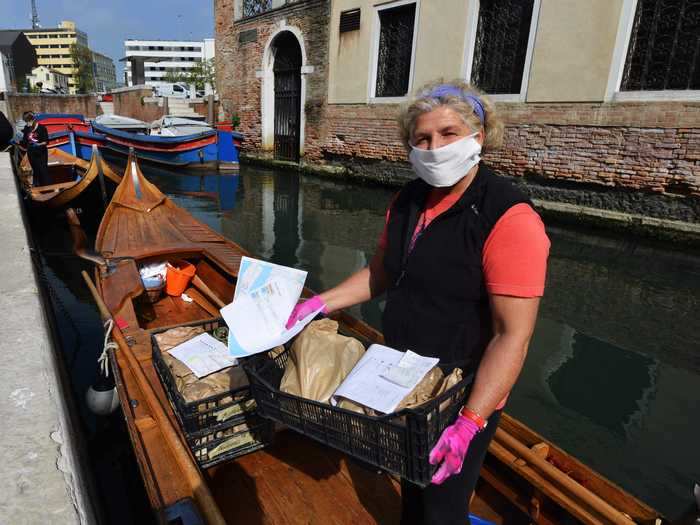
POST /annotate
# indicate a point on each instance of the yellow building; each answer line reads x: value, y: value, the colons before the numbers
x: 53, y: 47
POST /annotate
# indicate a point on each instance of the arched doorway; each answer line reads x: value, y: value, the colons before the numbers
x: 287, y: 73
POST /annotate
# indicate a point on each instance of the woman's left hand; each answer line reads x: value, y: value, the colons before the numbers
x: 451, y: 448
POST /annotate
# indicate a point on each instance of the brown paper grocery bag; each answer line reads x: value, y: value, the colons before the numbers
x: 319, y: 360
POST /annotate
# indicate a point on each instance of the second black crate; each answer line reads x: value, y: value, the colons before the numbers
x: 211, y: 411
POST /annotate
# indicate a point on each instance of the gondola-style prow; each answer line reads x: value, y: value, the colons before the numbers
x: 135, y: 191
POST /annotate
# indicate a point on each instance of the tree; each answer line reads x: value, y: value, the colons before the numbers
x: 175, y: 77
x: 202, y: 74
x: 82, y: 61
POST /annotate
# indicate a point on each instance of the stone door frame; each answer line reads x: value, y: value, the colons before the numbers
x: 267, y: 88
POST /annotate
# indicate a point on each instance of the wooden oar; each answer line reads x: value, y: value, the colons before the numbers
x: 201, y: 492
x: 567, y: 501
x: 594, y: 501
x: 202, y: 301
x: 207, y: 291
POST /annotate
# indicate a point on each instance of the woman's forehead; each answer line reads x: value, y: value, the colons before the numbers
x: 439, y: 117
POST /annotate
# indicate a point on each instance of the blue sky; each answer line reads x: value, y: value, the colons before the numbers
x: 109, y: 22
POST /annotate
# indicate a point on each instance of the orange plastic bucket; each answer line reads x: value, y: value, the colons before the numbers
x: 178, y: 277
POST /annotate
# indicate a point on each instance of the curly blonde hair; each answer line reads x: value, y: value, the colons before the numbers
x: 423, y: 102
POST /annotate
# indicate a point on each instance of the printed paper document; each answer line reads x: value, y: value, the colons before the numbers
x: 203, y: 355
x: 373, y: 384
x: 264, y: 298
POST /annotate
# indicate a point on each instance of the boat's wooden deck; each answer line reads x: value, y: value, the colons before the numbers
x: 299, y: 481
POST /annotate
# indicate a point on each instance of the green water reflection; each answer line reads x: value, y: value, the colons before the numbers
x: 613, y: 374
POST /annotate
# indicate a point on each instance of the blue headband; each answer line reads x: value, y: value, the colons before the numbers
x: 444, y: 90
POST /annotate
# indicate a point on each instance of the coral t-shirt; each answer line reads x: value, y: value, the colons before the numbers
x: 514, y: 257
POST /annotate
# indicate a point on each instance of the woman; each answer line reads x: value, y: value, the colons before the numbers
x: 35, y: 141
x: 462, y: 259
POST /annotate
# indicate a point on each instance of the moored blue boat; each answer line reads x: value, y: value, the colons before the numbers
x: 209, y: 149
x: 214, y: 148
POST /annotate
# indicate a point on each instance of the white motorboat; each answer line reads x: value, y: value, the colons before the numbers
x: 178, y: 126
x: 118, y: 122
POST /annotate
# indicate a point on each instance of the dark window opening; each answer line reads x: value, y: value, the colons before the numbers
x: 350, y: 20
x: 500, y: 48
x: 395, y: 50
x: 664, y: 47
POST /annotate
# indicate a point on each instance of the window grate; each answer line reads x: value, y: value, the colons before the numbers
x: 664, y: 47
x: 502, y: 35
x: 350, y: 20
x: 395, y: 50
x: 255, y: 7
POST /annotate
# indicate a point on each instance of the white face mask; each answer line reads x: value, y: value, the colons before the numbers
x: 445, y: 166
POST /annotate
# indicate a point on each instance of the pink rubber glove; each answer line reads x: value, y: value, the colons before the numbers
x: 452, y: 448
x: 303, y: 309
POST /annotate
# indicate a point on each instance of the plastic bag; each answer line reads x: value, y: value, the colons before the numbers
x: 319, y: 361
x: 153, y: 275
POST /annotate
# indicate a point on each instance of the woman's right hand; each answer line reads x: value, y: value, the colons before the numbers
x: 303, y: 309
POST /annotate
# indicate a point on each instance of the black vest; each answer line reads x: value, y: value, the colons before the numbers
x: 437, y: 303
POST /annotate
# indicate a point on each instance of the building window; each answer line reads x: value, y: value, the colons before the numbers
x: 395, y: 43
x: 501, y: 45
x: 663, y: 48
x: 255, y: 7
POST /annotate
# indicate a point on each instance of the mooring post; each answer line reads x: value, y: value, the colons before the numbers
x: 210, y: 109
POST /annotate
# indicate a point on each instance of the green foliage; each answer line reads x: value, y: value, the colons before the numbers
x: 235, y: 121
x: 82, y: 60
x: 175, y: 77
x: 201, y: 74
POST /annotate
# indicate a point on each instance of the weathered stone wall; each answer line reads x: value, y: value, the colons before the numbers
x: 18, y: 103
x: 239, y: 64
x: 137, y: 103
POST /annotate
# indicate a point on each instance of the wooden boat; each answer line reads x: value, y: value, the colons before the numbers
x: 525, y: 478
x: 56, y: 122
x: 72, y: 178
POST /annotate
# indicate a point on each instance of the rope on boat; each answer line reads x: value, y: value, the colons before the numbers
x: 103, y: 360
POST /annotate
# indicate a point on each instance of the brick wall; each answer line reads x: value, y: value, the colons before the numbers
x: 18, y: 103
x: 135, y: 103
x: 201, y: 108
x: 653, y: 147
x: 237, y: 64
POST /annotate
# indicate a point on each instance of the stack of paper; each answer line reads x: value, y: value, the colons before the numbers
x: 203, y: 355
x: 265, y: 296
x: 383, y: 377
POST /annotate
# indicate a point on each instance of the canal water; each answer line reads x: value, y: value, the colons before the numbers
x: 613, y: 371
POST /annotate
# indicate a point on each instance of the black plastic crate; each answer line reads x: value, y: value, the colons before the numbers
x: 217, y: 445
x: 399, y: 443
x: 209, y: 412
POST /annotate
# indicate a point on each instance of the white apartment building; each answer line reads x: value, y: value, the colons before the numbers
x: 163, y: 56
